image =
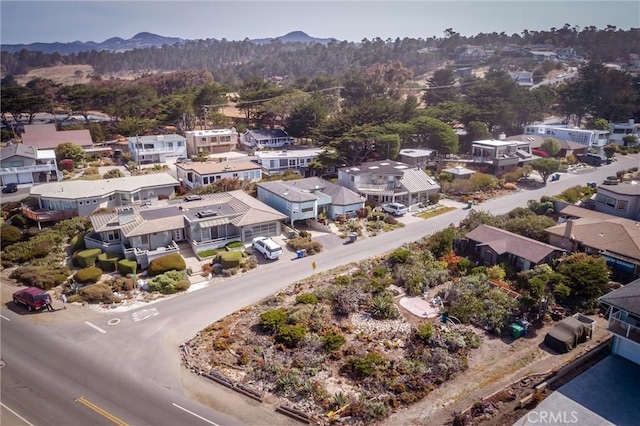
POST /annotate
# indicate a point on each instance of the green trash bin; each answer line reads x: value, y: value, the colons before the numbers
x: 516, y: 330
x: 470, y: 204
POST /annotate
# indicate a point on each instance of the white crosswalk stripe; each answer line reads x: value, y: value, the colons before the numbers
x: 143, y: 314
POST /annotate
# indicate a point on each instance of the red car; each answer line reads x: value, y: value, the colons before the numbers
x: 33, y: 298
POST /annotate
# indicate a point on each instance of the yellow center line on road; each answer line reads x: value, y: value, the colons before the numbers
x: 100, y: 411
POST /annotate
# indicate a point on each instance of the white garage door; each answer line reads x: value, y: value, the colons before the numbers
x: 25, y: 178
x: 9, y: 179
x: 628, y: 350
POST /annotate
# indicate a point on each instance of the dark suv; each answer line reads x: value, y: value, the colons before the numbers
x: 33, y: 298
x: 9, y: 188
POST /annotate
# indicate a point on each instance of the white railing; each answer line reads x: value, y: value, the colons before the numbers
x: 92, y: 242
x: 34, y: 168
x: 198, y: 246
x: 162, y: 150
x: 623, y: 327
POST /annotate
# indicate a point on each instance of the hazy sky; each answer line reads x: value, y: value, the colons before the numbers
x: 26, y: 21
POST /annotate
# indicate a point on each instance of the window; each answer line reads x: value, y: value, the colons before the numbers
x: 112, y: 197
x: 611, y: 202
x: 601, y: 199
x: 622, y: 205
x: 307, y: 209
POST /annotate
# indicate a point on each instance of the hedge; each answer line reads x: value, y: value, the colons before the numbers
x: 230, y: 259
x: 126, y: 267
x: 169, y: 262
x: 77, y: 242
x: 87, y: 258
x: 235, y: 245
x: 108, y: 262
x: 88, y: 275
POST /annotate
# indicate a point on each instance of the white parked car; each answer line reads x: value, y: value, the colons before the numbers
x: 266, y: 246
x: 395, y: 209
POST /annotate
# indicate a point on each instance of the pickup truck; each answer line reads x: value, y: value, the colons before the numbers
x: 395, y: 209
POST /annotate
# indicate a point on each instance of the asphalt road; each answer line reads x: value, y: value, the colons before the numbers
x: 126, y: 365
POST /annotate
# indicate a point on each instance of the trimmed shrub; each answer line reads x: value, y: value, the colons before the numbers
x: 169, y: 262
x: 77, y: 242
x: 300, y: 243
x: 96, y: 293
x: 235, y: 245
x: 230, y: 259
x: 433, y: 197
x: 88, y: 275
x: 122, y: 284
x: 271, y: 321
x: 108, y: 262
x: 365, y: 366
x: 126, y: 267
x: 87, y: 258
x: 209, y: 253
x: 390, y: 220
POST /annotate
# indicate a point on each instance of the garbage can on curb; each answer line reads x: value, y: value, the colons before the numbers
x: 353, y: 237
x: 470, y: 204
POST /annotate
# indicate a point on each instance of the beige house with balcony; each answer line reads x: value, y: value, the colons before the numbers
x: 25, y: 164
x: 213, y: 141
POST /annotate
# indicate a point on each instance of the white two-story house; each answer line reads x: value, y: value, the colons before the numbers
x: 501, y: 155
x: 595, y: 139
x: 264, y: 138
x: 25, y: 164
x: 278, y: 162
x: 157, y: 148
x: 213, y: 141
x: 620, y: 130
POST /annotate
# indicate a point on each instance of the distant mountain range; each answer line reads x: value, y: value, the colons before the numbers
x: 141, y: 41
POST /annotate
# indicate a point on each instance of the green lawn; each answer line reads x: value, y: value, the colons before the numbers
x: 436, y: 212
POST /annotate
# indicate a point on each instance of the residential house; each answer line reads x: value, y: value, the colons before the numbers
x: 196, y: 174
x: 417, y: 157
x: 463, y: 72
x: 389, y: 181
x: 212, y: 141
x: 489, y: 246
x: 501, y: 155
x: 541, y: 56
x: 263, y: 138
x: 595, y: 139
x: 523, y: 78
x: 25, y: 164
x: 303, y: 199
x: 157, y: 148
x: 624, y: 320
x: 278, y: 162
x: 568, y: 54
x: 622, y: 200
x: 620, y: 130
x: 613, y: 238
x: 567, y: 147
x: 144, y: 232
x: 46, y: 136
x: 65, y: 199
x: 472, y: 54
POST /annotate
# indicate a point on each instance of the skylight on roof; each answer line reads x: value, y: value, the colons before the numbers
x: 384, y: 164
x: 400, y: 167
x: 373, y: 167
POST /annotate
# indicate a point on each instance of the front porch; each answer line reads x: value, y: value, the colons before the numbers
x: 144, y: 257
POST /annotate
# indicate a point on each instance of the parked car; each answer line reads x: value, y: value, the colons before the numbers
x: 9, y: 188
x: 395, y: 209
x: 33, y: 298
x: 268, y: 247
x: 192, y: 197
x: 591, y: 159
x: 610, y: 180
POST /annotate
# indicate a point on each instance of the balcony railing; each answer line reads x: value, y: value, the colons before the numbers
x: 41, y: 215
x: 161, y: 150
x: 30, y: 169
x: 199, y: 246
x: 93, y: 241
x: 623, y: 328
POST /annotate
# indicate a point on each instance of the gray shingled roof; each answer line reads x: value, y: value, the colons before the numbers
x: 74, y: 189
x: 626, y: 298
x: 300, y: 190
x: 19, y: 149
x: 502, y: 241
x: 624, y: 188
